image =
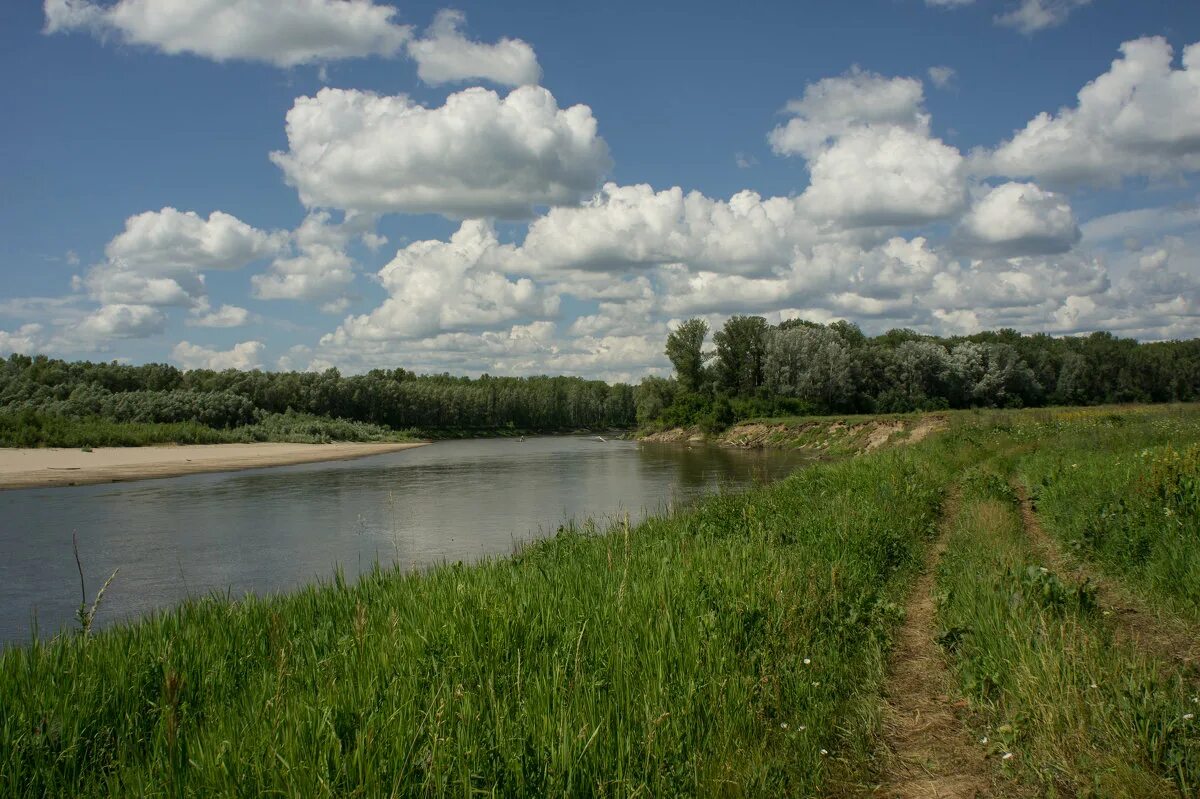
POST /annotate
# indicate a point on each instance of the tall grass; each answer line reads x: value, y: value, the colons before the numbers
x: 1058, y: 701
x: 1128, y: 498
x: 736, y: 649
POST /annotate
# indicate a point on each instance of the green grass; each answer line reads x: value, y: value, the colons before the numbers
x: 1127, y: 497
x: 30, y: 429
x: 737, y: 648
x: 718, y: 651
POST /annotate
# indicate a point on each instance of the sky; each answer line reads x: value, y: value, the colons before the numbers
x: 548, y: 188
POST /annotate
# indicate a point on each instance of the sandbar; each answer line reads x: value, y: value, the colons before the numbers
x: 31, y: 468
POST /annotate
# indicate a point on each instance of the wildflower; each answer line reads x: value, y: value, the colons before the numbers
x: 802, y: 727
x: 817, y: 684
x: 1093, y: 685
x: 1189, y: 716
x: 983, y: 740
x: 1007, y: 756
x: 824, y: 752
x: 808, y: 661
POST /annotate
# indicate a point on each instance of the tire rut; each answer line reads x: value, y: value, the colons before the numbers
x: 1132, y: 620
x: 930, y: 749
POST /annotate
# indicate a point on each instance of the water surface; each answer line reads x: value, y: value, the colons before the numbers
x: 268, y: 530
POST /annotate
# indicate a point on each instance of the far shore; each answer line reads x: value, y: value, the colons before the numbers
x: 33, y: 468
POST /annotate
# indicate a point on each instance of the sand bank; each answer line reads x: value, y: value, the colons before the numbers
x: 29, y: 468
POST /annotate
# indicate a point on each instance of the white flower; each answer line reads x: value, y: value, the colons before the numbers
x: 1189, y: 716
x: 1007, y: 756
x: 824, y: 752
x: 1093, y: 685
x: 808, y: 661
x: 802, y: 727
x: 783, y: 726
x: 983, y: 740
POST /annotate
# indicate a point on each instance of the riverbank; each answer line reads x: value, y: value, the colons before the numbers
x: 33, y: 468
x: 830, y: 435
x: 755, y: 644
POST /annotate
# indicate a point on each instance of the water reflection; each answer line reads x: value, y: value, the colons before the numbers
x: 273, y: 529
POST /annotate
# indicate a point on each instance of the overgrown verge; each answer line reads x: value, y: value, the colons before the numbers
x: 1059, y: 702
x: 737, y: 648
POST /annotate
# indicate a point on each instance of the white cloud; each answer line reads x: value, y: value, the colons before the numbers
x: 887, y: 176
x: 225, y: 316
x: 626, y: 227
x: 833, y: 106
x: 948, y: 3
x: 871, y: 157
x: 1019, y: 219
x: 193, y: 356
x: 942, y: 76
x: 120, y: 320
x: 1137, y: 225
x: 284, y: 34
x: 1031, y: 16
x: 477, y: 155
x: 26, y: 340
x: 318, y: 268
x: 436, y: 286
x: 160, y: 257
x: 444, y: 55
x: 1142, y: 117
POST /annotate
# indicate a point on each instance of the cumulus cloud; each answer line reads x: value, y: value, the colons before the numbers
x: 160, y: 257
x: 871, y: 158
x: 1142, y: 117
x: 193, y: 356
x: 444, y: 55
x: 478, y: 155
x: 450, y: 286
x: 317, y: 268
x: 121, y: 320
x: 1136, y: 226
x: 1019, y: 219
x: 1031, y: 16
x: 283, y: 34
x: 26, y: 340
x: 225, y: 316
x: 625, y: 227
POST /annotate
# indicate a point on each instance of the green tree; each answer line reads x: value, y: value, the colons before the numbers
x: 685, y: 347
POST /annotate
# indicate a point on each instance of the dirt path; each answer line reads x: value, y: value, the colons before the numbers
x: 931, y: 750
x: 1133, y: 620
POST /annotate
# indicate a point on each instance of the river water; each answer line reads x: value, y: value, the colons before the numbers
x: 268, y: 530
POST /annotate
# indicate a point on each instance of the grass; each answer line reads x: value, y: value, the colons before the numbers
x: 720, y: 650
x: 1058, y: 701
x: 736, y: 648
x: 30, y: 429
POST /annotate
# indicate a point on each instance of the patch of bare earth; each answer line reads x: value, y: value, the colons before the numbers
x: 925, y: 427
x: 930, y: 750
x: 880, y: 435
x: 1133, y: 620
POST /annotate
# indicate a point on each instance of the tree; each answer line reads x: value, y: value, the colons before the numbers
x: 685, y: 349
x: 741, y: 347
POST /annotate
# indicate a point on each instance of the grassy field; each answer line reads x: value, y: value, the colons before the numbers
x: 739, y: 648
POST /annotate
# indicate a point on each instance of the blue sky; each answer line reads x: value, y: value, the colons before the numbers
x: 620, y: 168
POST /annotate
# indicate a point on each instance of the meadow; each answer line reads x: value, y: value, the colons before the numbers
x: 737, y: 648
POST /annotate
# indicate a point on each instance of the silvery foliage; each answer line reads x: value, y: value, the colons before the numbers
x: 810, y: 363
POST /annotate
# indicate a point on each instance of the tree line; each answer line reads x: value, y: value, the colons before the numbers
x: 801, y: 367
x: 394, y: 398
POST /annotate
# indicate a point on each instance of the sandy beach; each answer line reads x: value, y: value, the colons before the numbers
x: 30, y: 468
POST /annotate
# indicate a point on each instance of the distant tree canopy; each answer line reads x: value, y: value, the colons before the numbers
x: 802, y: 367
x: 394, y: 398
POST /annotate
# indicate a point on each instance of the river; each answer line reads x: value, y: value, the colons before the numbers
x: 269, y: 530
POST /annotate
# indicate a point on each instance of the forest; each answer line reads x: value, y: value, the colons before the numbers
x: 804, y: 368
x: 753, y: 370
x: 43, y: 391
